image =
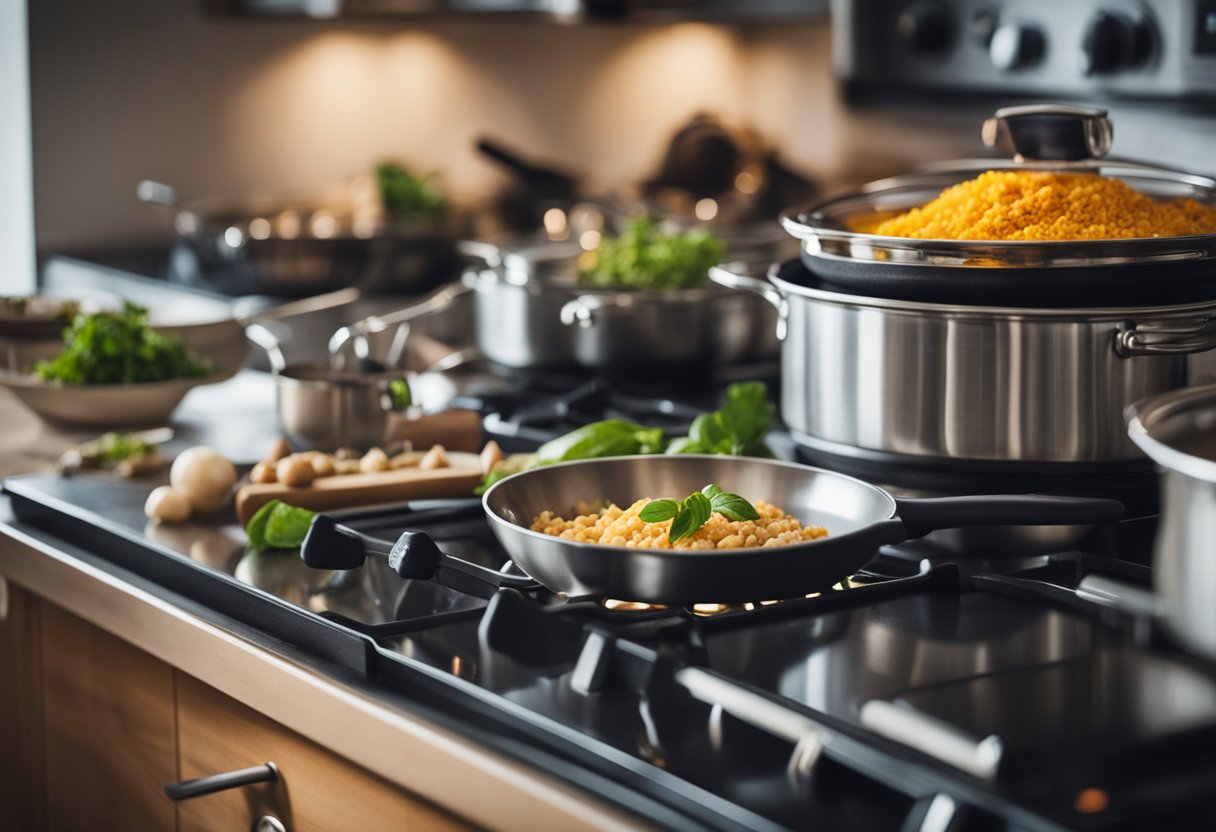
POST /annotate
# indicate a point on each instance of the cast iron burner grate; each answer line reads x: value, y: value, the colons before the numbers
x: 527, y: 415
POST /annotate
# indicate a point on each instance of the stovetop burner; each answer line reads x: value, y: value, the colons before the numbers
x: 528, y: 414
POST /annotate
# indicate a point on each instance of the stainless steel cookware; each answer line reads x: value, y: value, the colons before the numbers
x: 1178, y: 431
x: 859, y: 517
x: 911, y: 383
x: 287, y: 245
x: 530, y: 313
x: 1149, y: 271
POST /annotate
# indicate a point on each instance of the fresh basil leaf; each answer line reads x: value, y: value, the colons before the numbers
x: 700, y: 507
x: 684, y: 445
x: 611, y: 437
x: 255, y: 529
x: 734, y: 507
x: 711, y: 491
x: 681, y: 526
x: 747, y: 414
x: 707, y: 431
x: 656, y: 511
x: 650, y: 440
x: 287, y: 526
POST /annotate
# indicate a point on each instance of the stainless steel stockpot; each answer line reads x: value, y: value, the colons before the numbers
x: 914, y: 383
x: 1178, y: 431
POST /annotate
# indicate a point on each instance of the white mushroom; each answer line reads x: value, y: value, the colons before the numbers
x: 168, y: 505
x: 204, y: 476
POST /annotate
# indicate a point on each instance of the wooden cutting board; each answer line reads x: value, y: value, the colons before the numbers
x: 352, y: 490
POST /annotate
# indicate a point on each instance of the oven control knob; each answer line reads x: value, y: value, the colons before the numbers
x: 1015, y: 45
x: 925, y: 27
x: 1114, y: 42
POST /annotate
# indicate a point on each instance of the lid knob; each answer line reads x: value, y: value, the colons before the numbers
x: 1051, y: 132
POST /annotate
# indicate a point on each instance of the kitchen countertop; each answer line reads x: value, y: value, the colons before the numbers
x: 381, y: 731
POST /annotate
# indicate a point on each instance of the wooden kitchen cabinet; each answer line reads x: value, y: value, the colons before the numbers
x: 317, y: 791
x: 21, y: 737
x: 110, y: 729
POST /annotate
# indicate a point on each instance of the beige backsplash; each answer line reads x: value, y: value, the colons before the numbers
x: 133, y: 89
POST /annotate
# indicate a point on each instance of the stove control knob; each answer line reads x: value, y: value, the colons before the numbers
x: 1115, y: 42
x: 1015, y: 45
x: 925, y: 27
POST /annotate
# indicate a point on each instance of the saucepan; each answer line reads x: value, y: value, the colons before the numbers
x: 859, y: 517
x: 1178, y: 431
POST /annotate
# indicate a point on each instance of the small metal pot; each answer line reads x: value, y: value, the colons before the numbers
x: 971, y: 387
x: 1178, y: 431
x: 530, y: 314
x: 321, y: 407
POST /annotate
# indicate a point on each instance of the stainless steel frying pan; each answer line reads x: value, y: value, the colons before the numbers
x: 859, y: 517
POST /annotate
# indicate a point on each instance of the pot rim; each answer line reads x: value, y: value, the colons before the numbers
x: 1146, y: 415
x: 1080, y: 313
x: 338, y: 378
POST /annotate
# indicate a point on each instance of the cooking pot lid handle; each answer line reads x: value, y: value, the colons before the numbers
x: 1051, y: 132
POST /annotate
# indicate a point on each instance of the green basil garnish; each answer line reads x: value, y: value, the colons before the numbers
x: 693, y: 512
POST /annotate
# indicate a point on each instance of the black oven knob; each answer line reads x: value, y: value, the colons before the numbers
x: 1015, y: 45
x: 1115, y: 42
x: 926, y: 28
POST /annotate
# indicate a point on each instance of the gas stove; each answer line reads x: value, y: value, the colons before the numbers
x: 985, y: 684
x: 929, y: 690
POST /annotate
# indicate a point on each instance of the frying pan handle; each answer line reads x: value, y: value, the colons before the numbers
x: 923, y: 515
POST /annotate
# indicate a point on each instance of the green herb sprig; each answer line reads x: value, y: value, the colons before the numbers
x: 119, y: 348
x: 694, y: 511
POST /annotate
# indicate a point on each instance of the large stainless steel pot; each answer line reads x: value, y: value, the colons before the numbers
x: 910, y: 383
x: 1178, y: 431
x: 531, y: 314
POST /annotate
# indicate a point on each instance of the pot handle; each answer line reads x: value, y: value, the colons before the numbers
x: 1167, y: 336
x: 734, y: 276
x: 438, y: 301
x: 582, y: 311
x: 920, y: 516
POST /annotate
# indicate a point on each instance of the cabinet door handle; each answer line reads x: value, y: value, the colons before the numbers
x: 186, y: 789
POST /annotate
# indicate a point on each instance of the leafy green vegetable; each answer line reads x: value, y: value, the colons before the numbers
x: 646, y: 257
x: 694, y: 511
x: 611, y: 437
x: 119, y: 348
x: 277, y: 525
x: 737, y: 428
x: 656, y: 511
x: 406, y: 195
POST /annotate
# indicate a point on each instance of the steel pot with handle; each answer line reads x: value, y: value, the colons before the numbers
x: 1178, y: 431
x: 998, y: 389
x: 531, y: 314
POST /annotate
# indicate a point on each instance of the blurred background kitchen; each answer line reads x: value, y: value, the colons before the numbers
x: 245, y: 98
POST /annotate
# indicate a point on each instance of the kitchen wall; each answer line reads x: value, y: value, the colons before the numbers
x: 134, y: 89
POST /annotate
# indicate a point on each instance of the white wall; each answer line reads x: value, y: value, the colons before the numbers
x: 16, y: 207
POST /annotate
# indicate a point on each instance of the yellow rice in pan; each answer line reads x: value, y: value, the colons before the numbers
x: 614, y: 526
